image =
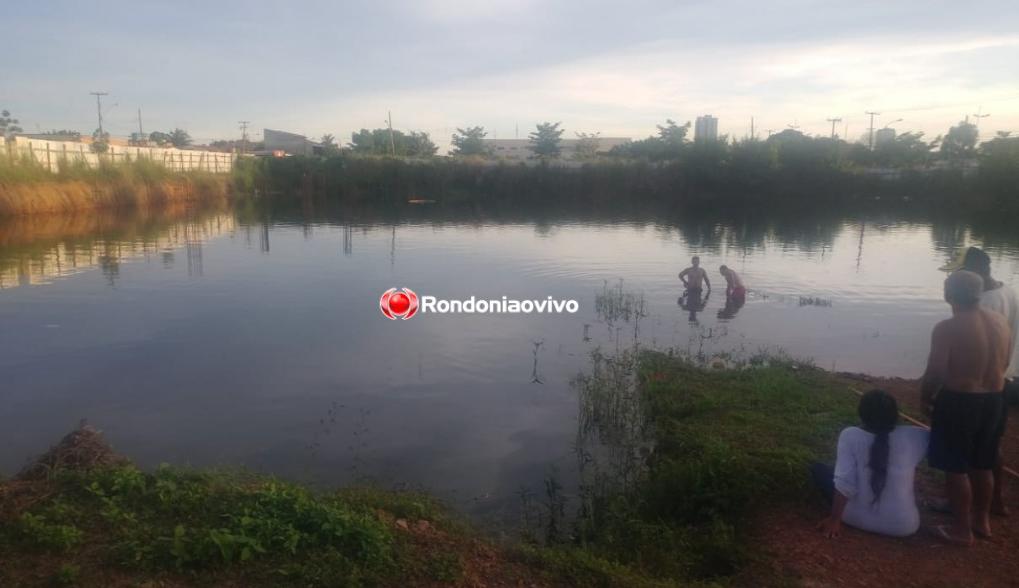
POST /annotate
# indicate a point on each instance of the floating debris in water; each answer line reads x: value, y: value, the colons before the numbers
x: 811, y: 301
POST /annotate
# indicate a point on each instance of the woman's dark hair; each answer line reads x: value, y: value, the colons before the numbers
x: 879, y: 413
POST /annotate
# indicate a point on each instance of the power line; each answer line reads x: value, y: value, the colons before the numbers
x: 244, y: 135
x: 833, y: 121
x: 99, y: 108
x: 872, y: 115
x: 392, y: 143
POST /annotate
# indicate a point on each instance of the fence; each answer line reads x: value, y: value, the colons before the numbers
x: 51, y: 154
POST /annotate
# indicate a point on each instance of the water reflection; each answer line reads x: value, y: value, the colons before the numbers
x: 694, y: 301
x: 37, y: 250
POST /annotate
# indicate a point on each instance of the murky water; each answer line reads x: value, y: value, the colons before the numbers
x: 216, y: 338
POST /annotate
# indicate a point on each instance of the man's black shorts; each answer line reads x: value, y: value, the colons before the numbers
x: 965, y: 431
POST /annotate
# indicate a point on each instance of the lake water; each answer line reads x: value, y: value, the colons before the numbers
x: 223, y: 339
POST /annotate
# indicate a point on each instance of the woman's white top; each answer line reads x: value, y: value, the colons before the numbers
x: 895, y: 512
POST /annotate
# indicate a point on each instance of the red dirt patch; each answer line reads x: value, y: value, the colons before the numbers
x: 796, y: 550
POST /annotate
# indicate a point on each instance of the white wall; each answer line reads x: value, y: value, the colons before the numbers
x: 51, y: 153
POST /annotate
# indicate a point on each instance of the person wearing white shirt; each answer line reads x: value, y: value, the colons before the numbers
x: 872, y: 485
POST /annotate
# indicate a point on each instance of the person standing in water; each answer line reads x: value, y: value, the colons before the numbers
x: 962, y: 389
x: 694, y: 278
x: 735, y: 291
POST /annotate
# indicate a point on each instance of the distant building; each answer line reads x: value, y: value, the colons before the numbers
x: 882, y: 136
x: 520, y: 149
x: 288, y: 143
x: 70, y: 136
x: 706, y: 128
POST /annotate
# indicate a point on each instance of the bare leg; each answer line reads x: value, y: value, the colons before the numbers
x: 998, y: 502
x: 960, y: 497
x: 982, y: 484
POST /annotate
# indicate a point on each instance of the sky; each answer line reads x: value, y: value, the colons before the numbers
x: 618, y: 68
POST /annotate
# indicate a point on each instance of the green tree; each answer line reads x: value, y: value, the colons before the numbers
x: 961, y: 141
x: 160, y: 138
x: 100, y: 142
x: 999, y: 166
x: 329, y: 146
x: 672, y: 134
x: 905, y: 150
x: 546, y: 139
x: 180, y: 138
x: 8, y: 125
x: 587, y: 145
x: 377, y: 142
x: 470, y: 141
x: 419, y: 144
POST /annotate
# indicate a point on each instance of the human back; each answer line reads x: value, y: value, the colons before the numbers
x: 979, y: 345
x: 892, y: 512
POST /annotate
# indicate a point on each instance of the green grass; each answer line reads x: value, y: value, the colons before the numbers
x: 724, y: 444
x: 187, y: 522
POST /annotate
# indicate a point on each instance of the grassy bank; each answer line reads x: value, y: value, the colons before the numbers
x: 26, y: 187
x: 685, y: 457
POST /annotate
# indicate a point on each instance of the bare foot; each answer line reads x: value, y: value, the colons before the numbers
x: 942, y: 532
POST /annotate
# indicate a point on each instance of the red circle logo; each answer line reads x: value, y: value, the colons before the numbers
x: 402, y: 303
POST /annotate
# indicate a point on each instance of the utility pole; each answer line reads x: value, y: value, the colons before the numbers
x: 769, y: 131
x: 516, y: 131
x: 979, y: 116
x: 872, y: 115
x: 751, y: 128
x: 141, y: 133
x: 99, y: 108
x: 833, y: 121
x: 392, y: 143
x: 244, y: 135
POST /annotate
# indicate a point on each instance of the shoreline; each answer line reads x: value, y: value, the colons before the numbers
x: 719, y: 497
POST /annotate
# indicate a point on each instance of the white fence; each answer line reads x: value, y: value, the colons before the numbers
x: 51, y: 153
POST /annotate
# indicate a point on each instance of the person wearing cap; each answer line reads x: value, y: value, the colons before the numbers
x: 1002, y: 299
x: 961, y: 388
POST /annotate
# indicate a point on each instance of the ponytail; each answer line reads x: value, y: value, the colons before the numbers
x: 880, y: 414
x: 878, y: 464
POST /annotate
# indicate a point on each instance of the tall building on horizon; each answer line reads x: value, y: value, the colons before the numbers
x: 706, y: 128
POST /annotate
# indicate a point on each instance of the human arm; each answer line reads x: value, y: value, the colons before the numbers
x: 845, y: 481
x: 831, y: 526
x: 707, y: 281
x: 937, y: 368
x: 682, y: 277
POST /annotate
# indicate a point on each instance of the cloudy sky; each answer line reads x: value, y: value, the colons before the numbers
x: 613, y: 67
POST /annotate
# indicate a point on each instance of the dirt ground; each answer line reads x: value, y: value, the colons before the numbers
x: 857, y: 558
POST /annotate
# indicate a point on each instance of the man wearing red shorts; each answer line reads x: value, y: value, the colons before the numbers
x: 735, y: 291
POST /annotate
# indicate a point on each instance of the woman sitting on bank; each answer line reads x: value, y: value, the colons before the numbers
x: 871, y: 487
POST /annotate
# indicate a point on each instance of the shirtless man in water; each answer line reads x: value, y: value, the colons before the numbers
x: 962, y: 389
x: 735, y: 291
x: 694, y: 278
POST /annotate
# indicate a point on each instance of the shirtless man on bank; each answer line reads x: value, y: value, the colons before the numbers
x: 962, y: 390
x: 694, y: 278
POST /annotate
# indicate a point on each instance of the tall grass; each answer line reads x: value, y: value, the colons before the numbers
x: 817, y: 185
x: 27, y: 187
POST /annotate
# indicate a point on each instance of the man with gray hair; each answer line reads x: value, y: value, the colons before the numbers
x: 962, y: 389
